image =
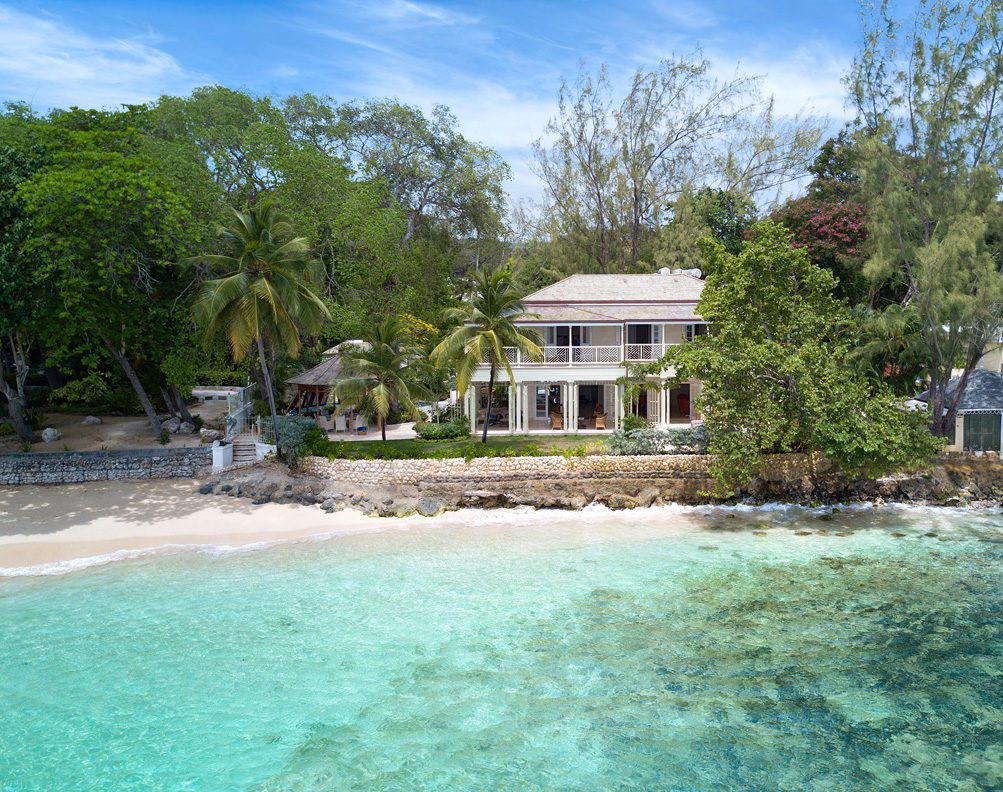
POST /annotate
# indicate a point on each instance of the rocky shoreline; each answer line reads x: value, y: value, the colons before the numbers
x: 953, y: 480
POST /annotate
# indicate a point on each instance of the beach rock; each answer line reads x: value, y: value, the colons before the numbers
x: 172, y: 425
x: 329, y: 505
x: 209, y: 436
x: 207, y: 489
x: 92, y: 420
x: 186, y: 427
x: 50, y: 435
x: 427, y: 507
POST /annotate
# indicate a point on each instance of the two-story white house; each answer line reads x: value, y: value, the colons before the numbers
x: 592, y: 328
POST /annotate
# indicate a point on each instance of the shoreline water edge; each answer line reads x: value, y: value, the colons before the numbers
x: 55, y: 529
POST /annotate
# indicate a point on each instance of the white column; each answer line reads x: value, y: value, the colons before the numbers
x: 471, y: 407
x: 620, y: 409
x: 574, y: 407
x: 524, y: 408
x: 511, y: 408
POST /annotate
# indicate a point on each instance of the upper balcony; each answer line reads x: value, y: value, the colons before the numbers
x: 588, y: 354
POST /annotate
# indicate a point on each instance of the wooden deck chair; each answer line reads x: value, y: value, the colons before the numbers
x: 556, y: 421
x: 601, y: 421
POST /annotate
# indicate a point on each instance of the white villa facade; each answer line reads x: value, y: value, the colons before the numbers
x: 593, y: 327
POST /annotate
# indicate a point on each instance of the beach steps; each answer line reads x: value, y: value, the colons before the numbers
x: 244, y: 450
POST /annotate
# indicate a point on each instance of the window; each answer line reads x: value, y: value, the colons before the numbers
x: 982, y: 432
x: 694, y: 330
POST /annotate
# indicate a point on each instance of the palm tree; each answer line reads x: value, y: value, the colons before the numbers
x: 266, y: 293
x: 487, y: 325
x: 382, y: 371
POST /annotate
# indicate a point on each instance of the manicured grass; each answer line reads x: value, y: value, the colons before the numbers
x: 507, y: 445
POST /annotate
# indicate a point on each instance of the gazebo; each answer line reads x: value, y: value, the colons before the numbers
x: 313, y: 386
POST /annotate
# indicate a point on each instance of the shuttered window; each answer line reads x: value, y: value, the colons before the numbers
x: 982, y: 432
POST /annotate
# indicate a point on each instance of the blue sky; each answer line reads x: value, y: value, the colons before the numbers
x: 497, y: 65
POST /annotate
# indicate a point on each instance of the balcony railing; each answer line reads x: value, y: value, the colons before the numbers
x: 596, y: 355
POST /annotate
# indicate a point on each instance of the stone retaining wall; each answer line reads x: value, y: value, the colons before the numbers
x: 71, y: 467
x: 501, y: 470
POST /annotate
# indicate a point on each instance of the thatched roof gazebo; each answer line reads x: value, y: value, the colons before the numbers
x: 313, y: 386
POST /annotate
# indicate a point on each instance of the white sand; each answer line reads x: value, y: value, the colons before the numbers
x: 44, y: 525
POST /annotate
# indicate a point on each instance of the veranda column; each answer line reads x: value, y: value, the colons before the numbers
x: 524, y: 408
x: 574, y: 407
x: 471, y: 401
x: 511, y: 408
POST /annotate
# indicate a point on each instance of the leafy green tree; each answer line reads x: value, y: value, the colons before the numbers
x: 774, y: 368
x: 383, y: 373
x: 930, y: 114
x: 107, y: 229
x: 266, y: 293
x: 487, y: 324
x: 21, y: 298
x: 718, y: 214
x: 613, y: 166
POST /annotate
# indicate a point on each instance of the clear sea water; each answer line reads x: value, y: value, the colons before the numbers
x: 667, y: 649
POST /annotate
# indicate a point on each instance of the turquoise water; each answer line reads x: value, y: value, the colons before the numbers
x: 665, y: 649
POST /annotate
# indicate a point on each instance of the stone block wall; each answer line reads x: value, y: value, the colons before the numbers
x: 71, y: 467
x: 501, y: 470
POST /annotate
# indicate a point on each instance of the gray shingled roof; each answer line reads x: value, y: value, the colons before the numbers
x: 984, y: 391
x: 593, y: 289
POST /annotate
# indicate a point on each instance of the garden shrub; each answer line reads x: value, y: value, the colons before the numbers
x: 297, y: 434
x: 630, y: 422
x: 87, y: 391
x: 6, y: 429
x: 647, y: 442
x: 447, y: 430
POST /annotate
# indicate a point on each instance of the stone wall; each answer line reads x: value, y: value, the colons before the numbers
x: 501, y: 470
x: 70, y: 467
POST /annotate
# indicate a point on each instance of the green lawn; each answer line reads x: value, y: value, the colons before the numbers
x: 505, y: 445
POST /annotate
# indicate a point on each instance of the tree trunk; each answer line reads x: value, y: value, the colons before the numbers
x: 487, y: 412
x: 15, y: 408
x: 17, y: 402
x: 182, y: 407
x: 167, y: 401
x: 155, y: 426
x: 266, y: 375
x: 383, y: 427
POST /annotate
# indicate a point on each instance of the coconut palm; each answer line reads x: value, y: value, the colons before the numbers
x: 487, y: 325
x: 381, y: 371
x: 266, y: 293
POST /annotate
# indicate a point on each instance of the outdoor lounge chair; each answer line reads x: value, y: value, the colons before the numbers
x: 601, y: 421
x: 340, y: 423
x: 361, y: 425
x: 556, y: 421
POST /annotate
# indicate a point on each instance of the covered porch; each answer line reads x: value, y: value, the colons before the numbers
x: 578, y: 407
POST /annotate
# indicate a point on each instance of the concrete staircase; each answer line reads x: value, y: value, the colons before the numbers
x: 244, y: 450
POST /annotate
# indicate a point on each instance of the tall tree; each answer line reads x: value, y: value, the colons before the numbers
x: 929, y: 98
x: 615, y: 165
x: 487, y: 324
x: 266, y: 294
x: 21, y: 298
x: 432, y: 172
x: 107, y: 227
x: 383, y: 373
x: 775, y: 373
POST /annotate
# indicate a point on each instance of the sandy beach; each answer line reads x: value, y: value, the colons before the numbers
x: 45, y: 525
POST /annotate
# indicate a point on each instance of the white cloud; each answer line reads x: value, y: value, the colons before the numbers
x: 410, y: 12
x: 48, y: 63
x: 687, y: 14
x: 284, y: 71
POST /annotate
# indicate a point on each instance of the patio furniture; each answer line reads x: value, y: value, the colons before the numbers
x: 683, y: 404
x: 340, y: 423
x: 601, y: 421
x: 581, y: 422
x: 361, y: 425
x: 556, y: 421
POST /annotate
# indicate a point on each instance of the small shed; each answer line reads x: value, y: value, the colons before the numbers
x: 979, y: 426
